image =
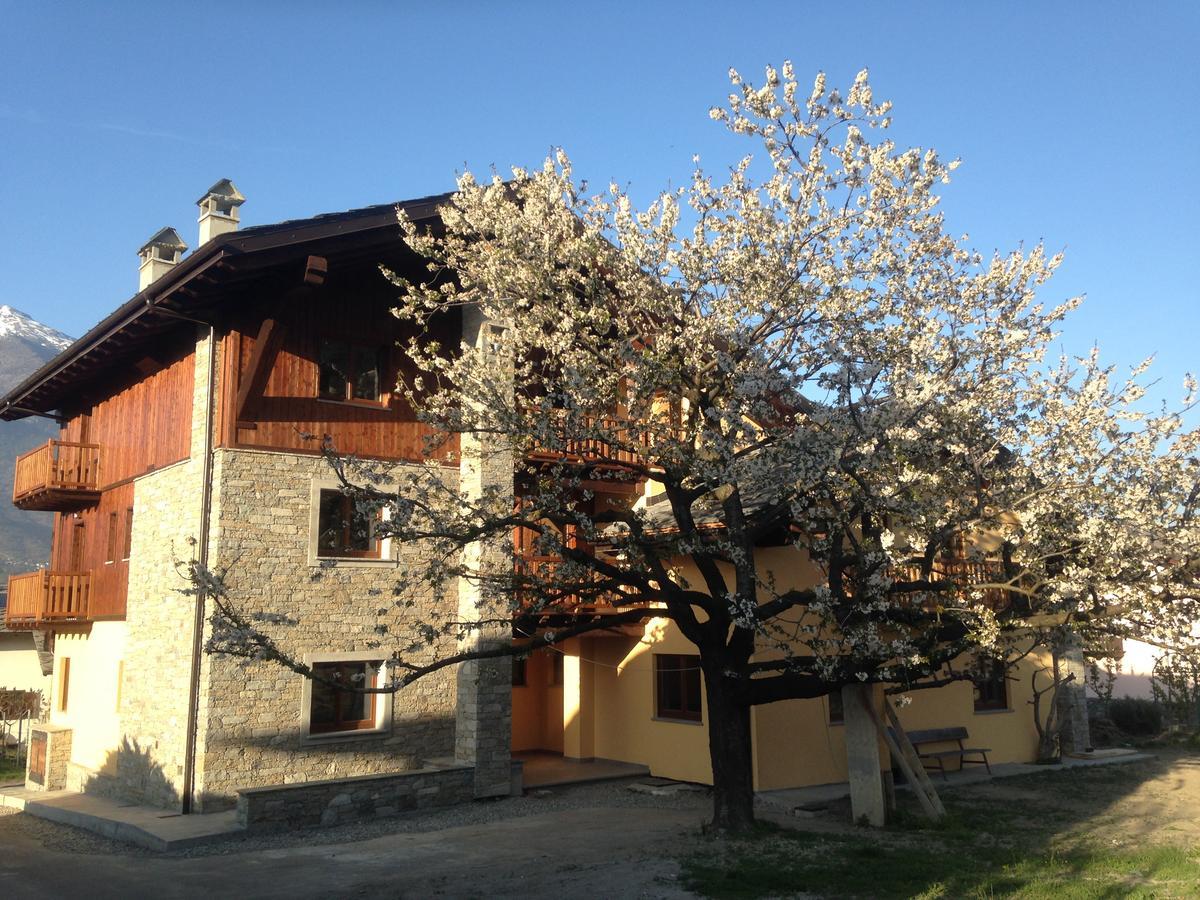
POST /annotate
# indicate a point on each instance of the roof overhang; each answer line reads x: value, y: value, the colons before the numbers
x: 192, y: 290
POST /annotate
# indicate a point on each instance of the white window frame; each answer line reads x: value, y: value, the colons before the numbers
x: 385, y: 558
x: 383, y: 702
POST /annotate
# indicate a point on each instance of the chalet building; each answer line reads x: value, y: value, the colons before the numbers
x: 187, y: 418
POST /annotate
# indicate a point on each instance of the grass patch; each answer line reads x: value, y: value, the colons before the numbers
x: 10, y: 770
x: 1034, y: 844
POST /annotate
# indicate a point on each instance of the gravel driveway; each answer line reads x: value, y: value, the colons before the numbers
x: 598, y: 840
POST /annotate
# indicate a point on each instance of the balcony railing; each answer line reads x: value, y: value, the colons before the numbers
x: 966, y: 575
x: 543, y: 570
x: 45, y: 598
x: 59, y: 475
x: 623, y: 448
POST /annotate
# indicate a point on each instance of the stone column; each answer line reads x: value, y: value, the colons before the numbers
x: 863, y: 759
x: 483, y: 717
x: 1071, y: 697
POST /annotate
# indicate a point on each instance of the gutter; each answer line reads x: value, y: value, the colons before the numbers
x: 198, y: 617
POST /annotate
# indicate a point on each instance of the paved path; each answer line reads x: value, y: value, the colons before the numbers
x: 536, y: 856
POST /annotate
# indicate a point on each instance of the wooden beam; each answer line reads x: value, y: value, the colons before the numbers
x: 262, y: 357
x: 266, y: 345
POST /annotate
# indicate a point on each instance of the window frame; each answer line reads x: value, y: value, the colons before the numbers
x: 681, y: 665
x: 374, y: 543
x: 112, y: 537
x: 838, y: 716
x: 381, y: 703
x: 386, y: 555
x: 355, y: 352
x: 997, y: 677
x: 127, y: 549
x: 62, y: 702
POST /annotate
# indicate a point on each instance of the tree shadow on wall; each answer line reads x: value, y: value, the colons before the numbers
x: 131, y: 773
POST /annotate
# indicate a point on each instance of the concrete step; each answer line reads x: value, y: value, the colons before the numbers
x: 145, y: 826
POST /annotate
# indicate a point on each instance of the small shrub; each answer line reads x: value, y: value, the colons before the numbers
x: 1141, y: 718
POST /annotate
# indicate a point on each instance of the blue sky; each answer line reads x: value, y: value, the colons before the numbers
x: 1076, y: 122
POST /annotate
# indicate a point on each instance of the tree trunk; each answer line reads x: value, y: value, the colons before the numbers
x: 729, y: 745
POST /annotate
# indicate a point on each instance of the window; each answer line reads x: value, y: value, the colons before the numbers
x: 677, y: 686
x: 114, y: 537
x: 837, y: 712
x: 349, y: 372
x: 127, y: 550
x: 518, y: 671
x: 991, y: 686
x: 343, y: 530
x: 332, y: 710
x: 64, y: 682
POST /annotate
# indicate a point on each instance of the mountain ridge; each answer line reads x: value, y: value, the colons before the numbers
x: 25, y: 346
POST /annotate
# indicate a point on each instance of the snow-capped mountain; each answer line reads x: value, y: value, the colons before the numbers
x: 15, y: 322
x: 25, y: 345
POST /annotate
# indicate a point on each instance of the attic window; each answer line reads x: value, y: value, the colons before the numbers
x: 349, y: 372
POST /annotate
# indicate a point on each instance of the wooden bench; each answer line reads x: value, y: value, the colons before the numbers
x: 936, y: 759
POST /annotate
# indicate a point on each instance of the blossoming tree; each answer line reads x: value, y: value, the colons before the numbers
x: 796, y: 354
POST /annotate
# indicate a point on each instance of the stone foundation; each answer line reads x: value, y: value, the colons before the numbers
x: 353, y: 799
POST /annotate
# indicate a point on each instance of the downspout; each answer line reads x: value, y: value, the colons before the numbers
x: 189, y: 753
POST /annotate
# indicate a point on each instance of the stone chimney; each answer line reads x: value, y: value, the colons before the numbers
x: 219, y: 210
x: 159, y: 254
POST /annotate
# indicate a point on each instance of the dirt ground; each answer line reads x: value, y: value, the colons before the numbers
x: 586, y: 850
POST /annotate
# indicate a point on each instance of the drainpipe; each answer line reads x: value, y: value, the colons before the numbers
x: 189, y: 753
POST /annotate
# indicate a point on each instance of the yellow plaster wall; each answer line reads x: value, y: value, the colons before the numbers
x: 92, y: 693
x: 20, y: 669
x: 1009, y: 734
x: 795, y: 745
x: 537, y: 707
x: 625, y: 726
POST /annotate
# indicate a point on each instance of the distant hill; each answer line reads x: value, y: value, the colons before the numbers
x: 25, y: 345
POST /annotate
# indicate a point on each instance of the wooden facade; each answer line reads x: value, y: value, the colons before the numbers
x: 96, y: 541
x: 283, y: 409
x: 141, y: 419
x: 135, y: 422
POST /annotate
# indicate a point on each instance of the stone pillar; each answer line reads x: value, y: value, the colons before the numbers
x: 863, y: 760
x: 49, y: 757
x: 579, y: 723
x: 483, y: 717
x: 1075, y: 734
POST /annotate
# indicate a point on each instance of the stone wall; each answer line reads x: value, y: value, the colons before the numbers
x: 353, y: 799
x: 251, y: 712
x: 160, y: 618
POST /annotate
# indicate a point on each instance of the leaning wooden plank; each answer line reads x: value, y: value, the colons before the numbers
x: 914, y: 760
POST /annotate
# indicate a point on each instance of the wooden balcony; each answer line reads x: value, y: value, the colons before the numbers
x: 39, y: 599
x: 967, y: 575
x: 592, y: 450
x: 545, y: 569
x: 60, y: 476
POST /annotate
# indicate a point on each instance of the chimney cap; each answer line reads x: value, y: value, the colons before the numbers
x: 224, y: 190
x: 167, y: 238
